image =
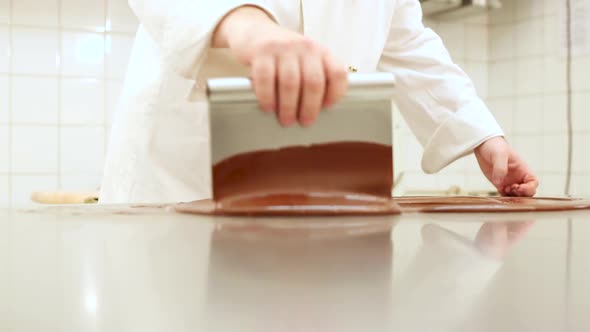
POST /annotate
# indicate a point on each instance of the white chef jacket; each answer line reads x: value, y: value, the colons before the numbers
x: 159, y: 149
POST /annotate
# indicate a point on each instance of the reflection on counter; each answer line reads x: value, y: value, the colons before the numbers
x: 266, y: 278
x: 89, y: 268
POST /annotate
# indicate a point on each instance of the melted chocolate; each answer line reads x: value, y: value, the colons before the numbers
x: 349, y: 167
x: 294, y: 205
x: 423, y: 204
x: 488, y: 204
x: 342, y: 178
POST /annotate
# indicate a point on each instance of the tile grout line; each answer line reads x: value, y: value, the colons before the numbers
x: 67, y: 29
x: 465, y: 43
x: 10, y: 108
x: 105, y: 74
x: 59, y: 92
x: 57, y: 76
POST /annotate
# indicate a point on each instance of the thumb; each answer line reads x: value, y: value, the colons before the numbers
x: 499, y: 166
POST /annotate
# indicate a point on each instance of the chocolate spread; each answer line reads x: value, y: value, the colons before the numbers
x: 341, y: 178
x: 488, y: 204
x: 354, y: 167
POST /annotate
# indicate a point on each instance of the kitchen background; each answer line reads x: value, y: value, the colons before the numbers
x: 62, y: 63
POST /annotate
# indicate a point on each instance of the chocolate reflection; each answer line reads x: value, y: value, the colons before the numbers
x: 300, y: 275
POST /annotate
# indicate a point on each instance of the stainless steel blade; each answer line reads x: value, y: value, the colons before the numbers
x: 238, y: 126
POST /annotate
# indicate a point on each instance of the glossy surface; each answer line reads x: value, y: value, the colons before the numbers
x: 147, y: 269
x: 318, y: 168
x: 292, y: 205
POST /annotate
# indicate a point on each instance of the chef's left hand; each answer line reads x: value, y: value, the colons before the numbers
x: 507, y: 171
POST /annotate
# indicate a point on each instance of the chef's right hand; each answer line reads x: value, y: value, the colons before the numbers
x: 292, y: 75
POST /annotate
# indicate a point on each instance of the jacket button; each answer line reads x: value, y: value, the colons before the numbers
x: 352, y: 69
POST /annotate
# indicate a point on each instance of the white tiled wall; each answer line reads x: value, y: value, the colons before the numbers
x: 61, y: 68
x: 524, y: 85
x: 526, y: 43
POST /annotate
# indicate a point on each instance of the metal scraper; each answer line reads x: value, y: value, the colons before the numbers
x: 348, y: 148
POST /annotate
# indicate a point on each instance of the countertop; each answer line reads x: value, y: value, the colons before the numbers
x: 118, y: 268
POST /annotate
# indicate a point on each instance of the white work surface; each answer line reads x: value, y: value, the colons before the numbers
x: 145, y: 269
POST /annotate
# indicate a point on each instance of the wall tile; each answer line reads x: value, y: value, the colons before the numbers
x: 581, y: 111
x: 82, y: 149
x: 555, y: 151
x: 553, y: 8
x: 530, y: 39
x: 580, y: 73
x: 458, y: 166
x: 529, y: 76
x: 581, y: 157
x: 83, y: 54
x: 554, y: 114
x: 453, y: 36
x: 529, y: 8
x: 4, y: 11
x: 415, y: 181
x: 87, y: 14
x: 24, y: 186
x: 504, y: 15
x: 502, y: 79
x: 503, y: 110
x: 477, y: 182
x: 478, y: 72
x: 85, y: 182
x: 121, y: 16
x: 413, y: 154
x: 4, y: 191
x: 531, y: 149
x: 551, y: 185
x: 34, y: 149
x: 35, y: 12
x: 4, y: 50
x: 471, y: 165
x: 35, y: 51
x: 430, y: 23
x: 118, y: 50
x: 528, y: 115
x: 581, y: 186
x: 552, y: 34
x: 481, y: 19
x: 82, y: 101
x: 113, y: 92
x: 476, y: 42
x: 502, y: 42
x: 554, y: 73
x: 34, y: 100
x: 4, y: 100
x: 4, y: 149
x: 447, y: 180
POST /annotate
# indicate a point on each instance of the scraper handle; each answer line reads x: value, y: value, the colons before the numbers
x: 362, y: 86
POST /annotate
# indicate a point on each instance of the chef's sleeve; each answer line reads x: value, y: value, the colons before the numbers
x: 436, y: 98
x: 183, y: 29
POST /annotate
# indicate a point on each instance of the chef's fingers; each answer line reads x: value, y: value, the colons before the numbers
x: 337, y: 80
x: 264, y: 82
x: 499, y: 166
x: 289, y: 88
x: 314, y: 86
x: 529, y: 187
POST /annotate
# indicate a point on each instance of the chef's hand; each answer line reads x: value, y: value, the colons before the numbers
x: 506, y: 169
x: 495, y: 239
x: 292, y: 75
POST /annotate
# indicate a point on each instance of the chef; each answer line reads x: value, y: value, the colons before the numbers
x: 298, y: 53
